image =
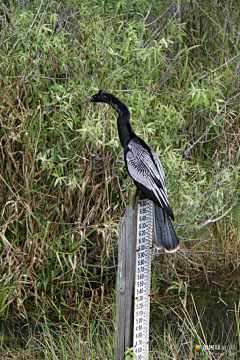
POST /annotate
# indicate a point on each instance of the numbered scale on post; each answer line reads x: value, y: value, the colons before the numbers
x: 143, y: 279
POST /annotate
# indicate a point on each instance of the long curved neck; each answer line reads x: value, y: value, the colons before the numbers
x: 120, y: 107
x: 125, y: 130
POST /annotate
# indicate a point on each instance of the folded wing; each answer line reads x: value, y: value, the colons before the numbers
x: 146, y: 170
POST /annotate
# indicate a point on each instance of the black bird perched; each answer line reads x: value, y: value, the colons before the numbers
x: 145, y: 168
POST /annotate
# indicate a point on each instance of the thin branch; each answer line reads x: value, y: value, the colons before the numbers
x: 125, y: 14
x: 213, y: 71
x: 100, y: 267
x: 218, y: 218
x: 148, y: 12
x: 153, y: 22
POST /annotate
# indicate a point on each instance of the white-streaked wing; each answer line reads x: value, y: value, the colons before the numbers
x: 159, y: 167
x: 145, y: 167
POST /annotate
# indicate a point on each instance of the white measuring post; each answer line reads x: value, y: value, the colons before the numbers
x: 143, y: 279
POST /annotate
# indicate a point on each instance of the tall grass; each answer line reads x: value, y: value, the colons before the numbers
x: 63, y: 185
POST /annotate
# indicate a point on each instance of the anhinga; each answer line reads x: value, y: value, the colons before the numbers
x: 145, y: 168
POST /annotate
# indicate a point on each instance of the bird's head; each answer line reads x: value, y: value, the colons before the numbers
x: 111, y: 100
x: 101, y: 96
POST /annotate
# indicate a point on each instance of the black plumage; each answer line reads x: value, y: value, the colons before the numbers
x: 145, y: 168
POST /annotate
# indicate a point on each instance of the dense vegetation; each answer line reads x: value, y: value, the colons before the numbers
x: 63, y: 185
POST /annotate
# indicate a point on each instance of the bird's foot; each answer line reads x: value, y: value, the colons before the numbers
x: 135, y: 197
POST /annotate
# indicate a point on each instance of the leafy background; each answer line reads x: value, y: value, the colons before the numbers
x: 63, y: 185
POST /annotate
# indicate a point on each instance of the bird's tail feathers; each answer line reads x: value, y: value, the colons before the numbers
x: 165, y: 236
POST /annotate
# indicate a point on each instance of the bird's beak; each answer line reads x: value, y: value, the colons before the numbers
x: 85, y: 101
